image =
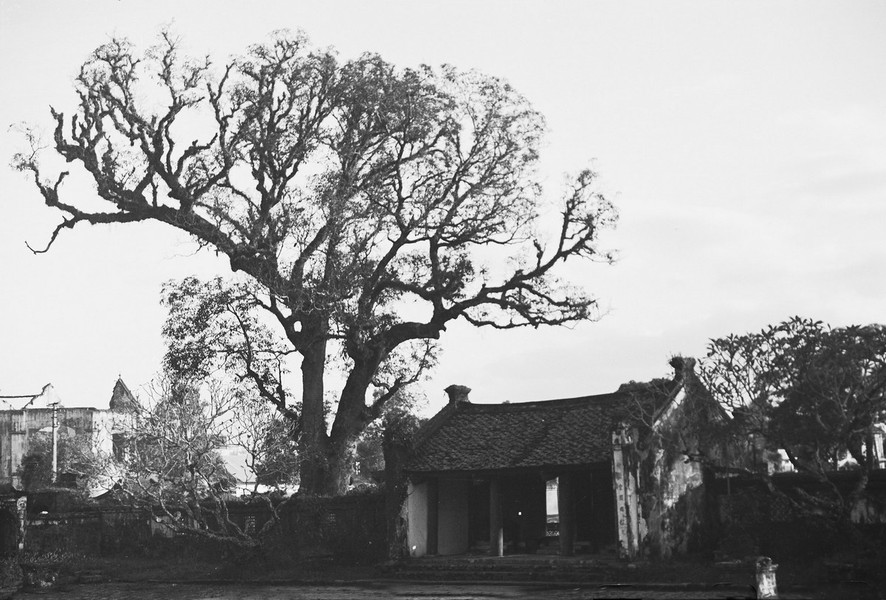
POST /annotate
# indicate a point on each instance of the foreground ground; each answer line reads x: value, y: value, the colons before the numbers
x: 383, y: 590
x: 122, y: 578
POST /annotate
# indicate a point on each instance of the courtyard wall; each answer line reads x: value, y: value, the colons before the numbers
x: 347, y: 529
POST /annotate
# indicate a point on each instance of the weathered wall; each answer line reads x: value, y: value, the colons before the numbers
x: 88, y: 530
x: 674, y: 506
x: 19, y: 428
x: 452, y: 517
x: 674, y: 500
x: 417, y: 525
x: 754, y: 521
x: 12, y: 441
x: 349, y: 529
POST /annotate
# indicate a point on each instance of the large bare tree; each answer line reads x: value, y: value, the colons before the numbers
x: 371, y: 205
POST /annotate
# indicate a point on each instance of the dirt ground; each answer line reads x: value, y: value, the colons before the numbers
x: 119, y: 591
x: 122, y: 578
x: 385, y: 590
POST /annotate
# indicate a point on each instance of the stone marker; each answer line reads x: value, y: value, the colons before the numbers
x: 766, y: 587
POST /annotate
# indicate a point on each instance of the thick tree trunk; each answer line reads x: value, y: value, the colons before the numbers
x: 327, y: 459
x: 351, y: 419
x: 396, y: 451
x: 340, y: 463
x: 313, y: 466
x: 313, y: 446
x: 327, y: 467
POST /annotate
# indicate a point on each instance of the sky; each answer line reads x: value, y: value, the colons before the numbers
x: 744, y: 145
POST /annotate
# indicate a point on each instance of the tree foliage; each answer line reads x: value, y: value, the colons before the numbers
x: 399, y: 418
x: 275, y: 453
x: 369, y: 205
x: 214, y: 327
x: 814, y: 391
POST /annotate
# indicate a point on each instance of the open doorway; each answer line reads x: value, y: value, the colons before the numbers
x: 592, y: 508
x: 522, y: 514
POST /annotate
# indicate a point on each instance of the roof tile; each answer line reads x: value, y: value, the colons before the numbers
x: 475, y: 437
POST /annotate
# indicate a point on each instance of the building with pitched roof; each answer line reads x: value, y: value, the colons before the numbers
x: 479, y: 474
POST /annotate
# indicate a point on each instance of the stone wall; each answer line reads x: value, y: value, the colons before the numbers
x: 350, y: 529
x: 93, y: 531
x: 347, y: 529
x: 754, y: 521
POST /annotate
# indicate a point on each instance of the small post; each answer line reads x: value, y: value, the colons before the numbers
x: 766, y: 587
x: 54, y: 442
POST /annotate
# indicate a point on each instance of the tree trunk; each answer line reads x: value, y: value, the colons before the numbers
x: 350, y: 420
x: 313, y: 444
x: 337, y: 479
x: 326, y: 468
x: 327, y: 460
x: 396, y: 451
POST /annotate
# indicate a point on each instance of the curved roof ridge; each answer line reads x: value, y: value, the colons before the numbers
x: 541, y: 404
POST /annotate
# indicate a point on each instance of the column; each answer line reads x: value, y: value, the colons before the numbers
x: 496, y: 528
x: 566, y: 510
x: 433, y: 514
x: 624, y: 483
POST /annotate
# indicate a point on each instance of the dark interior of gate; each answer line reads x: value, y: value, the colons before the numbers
x: 572, y: 512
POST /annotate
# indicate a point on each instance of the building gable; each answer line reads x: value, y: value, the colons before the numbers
x: 122, y: 399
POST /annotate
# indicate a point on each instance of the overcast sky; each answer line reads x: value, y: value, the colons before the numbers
x: 743, y: 143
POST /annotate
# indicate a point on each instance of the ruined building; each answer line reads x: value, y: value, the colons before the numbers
x: 30, y: 422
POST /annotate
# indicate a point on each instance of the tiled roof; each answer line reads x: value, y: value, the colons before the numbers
x: 476, y: 437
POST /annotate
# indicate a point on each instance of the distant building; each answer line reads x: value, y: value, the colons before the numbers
x: 29, y: 426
